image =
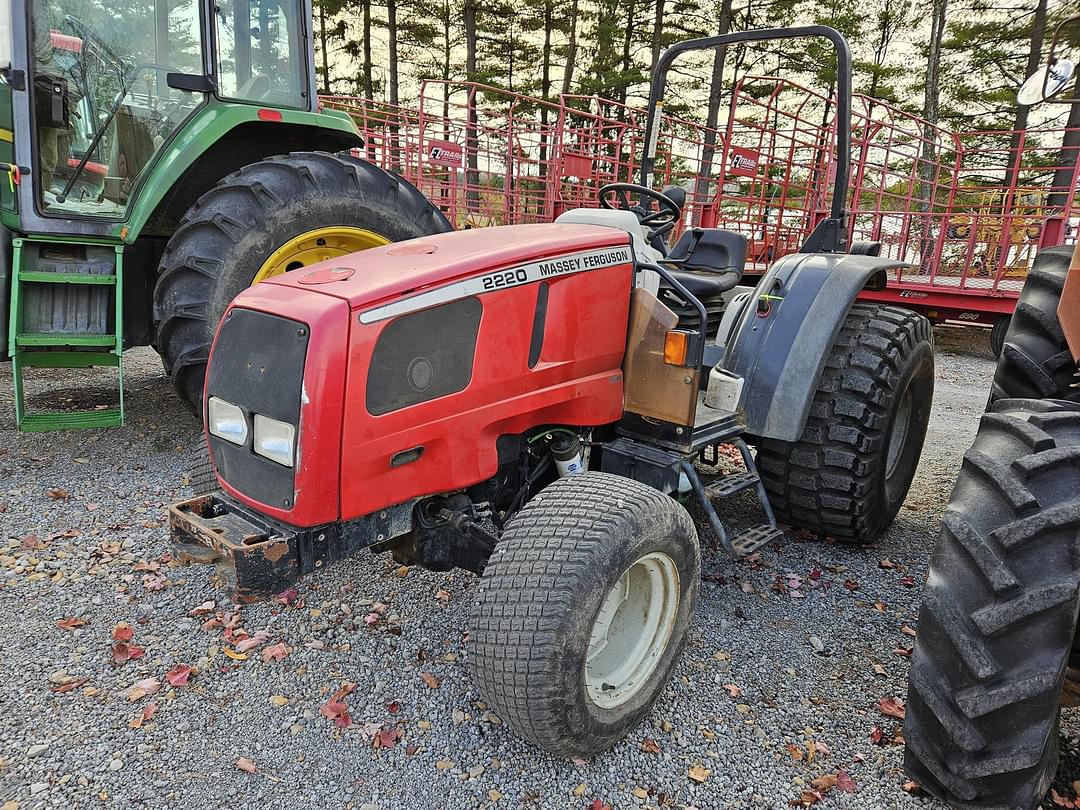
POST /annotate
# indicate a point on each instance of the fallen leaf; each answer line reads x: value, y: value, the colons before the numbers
x: 903, y: 652
x: 880, y: 670
x: 430, y: 680
x: 287, y: 596
x: 876, y: 735
x: 886, y: 564
x: 250, y: 643
x: 148, y: 711
x: 732, y: 690
x: 275, y: 652
x: 337, y: 712
x: 141, y: 689
x: 315, y: 644
x: 71, y: 623
x: 233, y: 654
x: 824, y: 783
x: 650, y: 746
x: 892, y: 707
x: 279, y: 700
x: 58, y: 494
x: 796, y: 752
x: 908, y: 581
x: 68, y: 686
x: 246, y: 765
x: 149, y: 567
x: 393, y: 707
x: 823, y: 749
x: 907, y: 631
x: 122, y: 653
x: 844, y: 782
x: 851, y: 584
x: 910, y: 787
x: 204, y: 608
x: 123, y: 632
x: 598, y: 804
x: 346, y: 689
x: 387, y: 737
x: 179, y: 675
x: 698, y: 773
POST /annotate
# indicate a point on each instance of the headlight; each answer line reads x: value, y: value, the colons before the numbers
x: 274, y: 440
x: 226, y: 421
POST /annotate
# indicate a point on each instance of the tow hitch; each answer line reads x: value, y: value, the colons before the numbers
x: 257, y: 558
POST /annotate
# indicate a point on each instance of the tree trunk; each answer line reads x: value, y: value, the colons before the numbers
x: 392, y: 79
x: 325, y: 53
x: 716, y: 94
x: 628, y: 36
x: 472, y: 176
x: 1038, y: 32
x: 366, y: 67
x: 545, y: 83
x: 571, y: 49
x: 931, y: 100
x: 658, y: 32
x: 1065, y: 176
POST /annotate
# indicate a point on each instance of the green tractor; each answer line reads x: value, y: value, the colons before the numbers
x: 161, y: 156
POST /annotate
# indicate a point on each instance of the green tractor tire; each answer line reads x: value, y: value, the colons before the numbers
x: 273, y: 216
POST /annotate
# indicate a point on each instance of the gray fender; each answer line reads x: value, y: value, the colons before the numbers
x: 781, y: 353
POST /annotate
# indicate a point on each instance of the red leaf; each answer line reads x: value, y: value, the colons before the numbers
x: 844, y: 782
x: 892, y: 707
x: 338, y: 712
x: 851, y: 584
x: 908, y: 581
x: 60, y: 688
x: 387, y: 737
x: 71, y: 623
x: 123, y: 632
x: 876, y: 735
x: 203, y: 609
x: 1060, y: 800
x: 732, y: 690
x: 122, y: 653
x: 430, y: 680
x: 911, y: 787
x: 179, y: 675
x: 288, y: 596
x: 346, y: 689
x: 246, y: 765
x: 597, y: 804
x: 275, y: 652
x: 650, y: 746
x: 393, y: 707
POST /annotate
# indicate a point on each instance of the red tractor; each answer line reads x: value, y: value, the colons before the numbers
x: 520, y: 402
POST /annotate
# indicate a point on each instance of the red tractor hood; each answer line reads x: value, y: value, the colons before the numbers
x: 375, y: 275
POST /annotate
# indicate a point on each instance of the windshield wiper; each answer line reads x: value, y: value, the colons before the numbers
x: 99, y: 132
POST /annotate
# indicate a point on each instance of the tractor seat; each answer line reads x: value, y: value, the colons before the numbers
x: 706, y: 285
x: 710, y: 250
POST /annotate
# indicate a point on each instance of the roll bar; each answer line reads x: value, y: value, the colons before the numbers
x: 831, y: 234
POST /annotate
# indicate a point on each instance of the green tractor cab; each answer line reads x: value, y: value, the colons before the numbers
x: 161, y: 155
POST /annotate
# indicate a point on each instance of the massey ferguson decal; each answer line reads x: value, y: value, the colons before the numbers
x: 502, y: 279
x: 743, y: 162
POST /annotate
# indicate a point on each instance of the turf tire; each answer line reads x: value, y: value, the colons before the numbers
x: 999, y: 613
x: 836, y: 480
x: 222, y: 242
x: 540, y: 595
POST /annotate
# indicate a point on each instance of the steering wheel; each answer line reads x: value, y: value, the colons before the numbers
x: 658, y: 222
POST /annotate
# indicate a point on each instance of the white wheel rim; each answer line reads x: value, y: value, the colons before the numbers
x: 632, y: 630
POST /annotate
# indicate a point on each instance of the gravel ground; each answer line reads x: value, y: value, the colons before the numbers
x: 779, y: 685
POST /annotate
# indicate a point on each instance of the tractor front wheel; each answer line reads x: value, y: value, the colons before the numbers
x: 583, y: 610
x: 276, y: 215
x: 850, y: 471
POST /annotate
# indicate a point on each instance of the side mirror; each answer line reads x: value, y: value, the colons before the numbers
x: 190, y: 82
x: 1051, y: 78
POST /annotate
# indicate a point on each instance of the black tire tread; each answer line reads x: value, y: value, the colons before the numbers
x: 999, y: 616
x: 1035, y: 361
x: 822, y: 482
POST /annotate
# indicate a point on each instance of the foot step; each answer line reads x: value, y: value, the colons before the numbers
x: 750, y: 540
x: 730, y: 484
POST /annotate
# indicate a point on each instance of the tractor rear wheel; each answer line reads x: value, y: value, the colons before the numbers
x: 848, y: 474
x: 1034, y: 361
x: 998, y: 618
x: 276, y: 215
x: 583, y: 611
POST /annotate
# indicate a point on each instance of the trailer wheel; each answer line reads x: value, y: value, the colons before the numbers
x: 1035, y: 361
x: 275, y: 215
x: 997, y: 334
x: 999, y: 614
x: 848, y: 474
x: 583, y: 611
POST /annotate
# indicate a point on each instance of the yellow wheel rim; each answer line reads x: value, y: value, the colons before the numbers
x: 316, y: 246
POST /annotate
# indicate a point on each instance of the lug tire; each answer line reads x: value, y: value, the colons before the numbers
x: 541, y: 595
x: 997, y: 334
x: 998, y: 617
x: 222, y: 242
x: 1034, y: 361
x: 874, y: 394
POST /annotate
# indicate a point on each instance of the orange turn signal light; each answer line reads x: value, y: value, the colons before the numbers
x: 676, y: 347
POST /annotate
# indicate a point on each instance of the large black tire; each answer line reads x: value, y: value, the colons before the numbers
x: 542, y: 592
x: 848, y: 474
x: 998, y: 617
x: 997, y: 334
x: 1034, y: 361
x: 222, y: 242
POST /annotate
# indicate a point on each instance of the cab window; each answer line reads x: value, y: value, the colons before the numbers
x: 260, y: 47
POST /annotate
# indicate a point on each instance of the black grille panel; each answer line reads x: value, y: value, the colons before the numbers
x: 258, y: 364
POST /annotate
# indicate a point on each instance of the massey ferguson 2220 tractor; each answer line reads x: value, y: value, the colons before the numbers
x: 518, y: 402
x: 998, y: 653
